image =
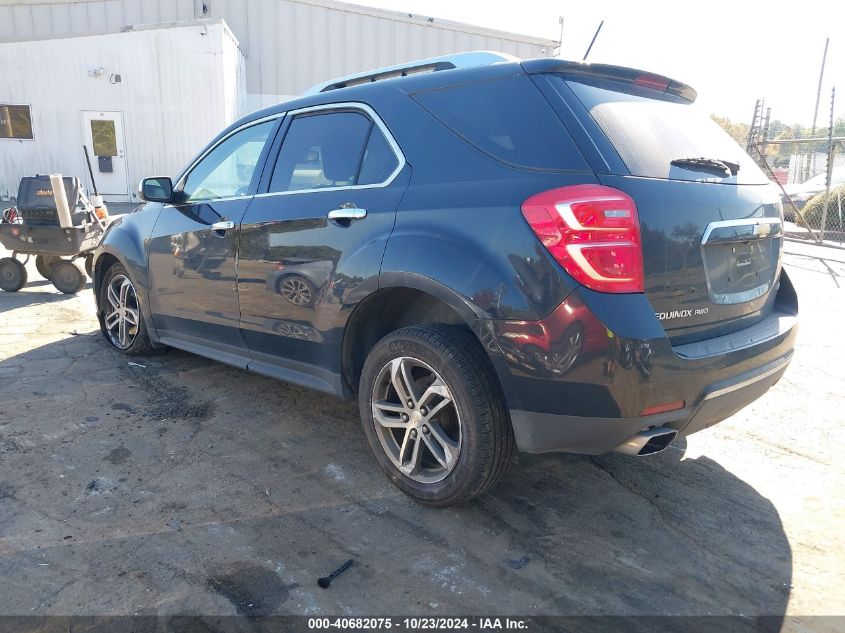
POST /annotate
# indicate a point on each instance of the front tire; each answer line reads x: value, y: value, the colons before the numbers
x: 121, y: 320
x: 434, y: 415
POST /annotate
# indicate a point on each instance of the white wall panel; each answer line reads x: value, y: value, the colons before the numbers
x: 163, y: 129
x: 22, y: 20
x: 289, y: 45
x: 174, y: 94
x: 41, y: 19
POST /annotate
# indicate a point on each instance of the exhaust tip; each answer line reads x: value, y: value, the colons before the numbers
x: 648, y: 442
x: 658, y: 443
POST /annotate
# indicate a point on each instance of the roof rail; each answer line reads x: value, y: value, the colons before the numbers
x: 444, y: 62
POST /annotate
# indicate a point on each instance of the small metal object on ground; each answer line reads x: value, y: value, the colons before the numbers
x: 325, y: 581
x: 518, y: 563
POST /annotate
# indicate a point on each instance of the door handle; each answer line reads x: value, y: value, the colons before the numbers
x: 347, y: 213
x: 223, y: 225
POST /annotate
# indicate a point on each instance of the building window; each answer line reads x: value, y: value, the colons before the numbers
x: 105, y: 137
x: 15, y: 121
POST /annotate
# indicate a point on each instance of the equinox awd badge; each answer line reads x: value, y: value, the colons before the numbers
x: 681, y: 314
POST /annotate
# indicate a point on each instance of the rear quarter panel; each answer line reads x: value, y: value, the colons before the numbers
x: 460, y: 222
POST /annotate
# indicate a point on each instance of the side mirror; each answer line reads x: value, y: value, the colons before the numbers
x: 159, y: 189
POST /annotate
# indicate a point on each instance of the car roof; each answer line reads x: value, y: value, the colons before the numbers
x: 489, y: 65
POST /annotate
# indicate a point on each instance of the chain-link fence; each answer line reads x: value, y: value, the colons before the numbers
x: 811, y: 175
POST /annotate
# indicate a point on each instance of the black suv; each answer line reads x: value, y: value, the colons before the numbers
x: 542, y: 255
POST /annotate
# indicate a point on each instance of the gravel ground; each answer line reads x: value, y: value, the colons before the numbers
x: 183, y: 486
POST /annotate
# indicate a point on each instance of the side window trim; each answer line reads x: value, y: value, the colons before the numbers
x: 327, y: 108
x: 259, y: 169
x: 364, y: 151
x: 273, y: 154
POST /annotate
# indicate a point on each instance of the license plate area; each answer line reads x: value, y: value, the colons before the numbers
x: 741, y: 258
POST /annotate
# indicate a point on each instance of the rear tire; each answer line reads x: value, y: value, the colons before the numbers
x: 67, y: 277
x: 44, y: 265
x: 12, y: 274
x: 468, y: 416
x: 117, y: 300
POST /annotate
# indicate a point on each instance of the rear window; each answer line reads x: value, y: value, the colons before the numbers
x: 649, y: 133
x: 507, y: 119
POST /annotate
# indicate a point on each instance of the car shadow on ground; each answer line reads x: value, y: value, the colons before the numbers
x: 823, y: 265
x: 178, y: 485
x: 666, y: 534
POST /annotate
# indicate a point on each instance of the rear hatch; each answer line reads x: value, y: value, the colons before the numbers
x: 710, y: 219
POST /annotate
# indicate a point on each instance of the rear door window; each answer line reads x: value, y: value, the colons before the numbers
x: 320, y: 151
x: 649, y: 130
x: 507, y: 119
x: 332, y: 149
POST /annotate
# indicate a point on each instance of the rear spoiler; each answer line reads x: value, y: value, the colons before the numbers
x: 617, y: 73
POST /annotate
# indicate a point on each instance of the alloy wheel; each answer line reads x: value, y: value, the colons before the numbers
x: 123, y: 315
x: 416, y: 420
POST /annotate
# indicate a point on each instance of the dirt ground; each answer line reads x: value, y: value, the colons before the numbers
x: 182, y: 486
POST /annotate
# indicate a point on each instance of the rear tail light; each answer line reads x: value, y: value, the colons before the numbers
x: 592, y: 231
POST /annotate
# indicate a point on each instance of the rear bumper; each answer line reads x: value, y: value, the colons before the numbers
x: 604, y: 366
x: 544, y: 432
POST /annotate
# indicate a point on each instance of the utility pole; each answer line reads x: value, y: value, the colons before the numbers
x: 829, y: 163
x: 819, y: 91
x: 816, y: 111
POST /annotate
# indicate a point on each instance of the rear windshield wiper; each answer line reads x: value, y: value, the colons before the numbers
x: 726, y: 167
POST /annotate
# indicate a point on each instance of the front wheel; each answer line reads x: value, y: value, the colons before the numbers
x: 434, y: 415
x: 121, y: 320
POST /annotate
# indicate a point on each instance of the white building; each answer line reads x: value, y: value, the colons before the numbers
x: 142, y: 101
x: 145, y: 84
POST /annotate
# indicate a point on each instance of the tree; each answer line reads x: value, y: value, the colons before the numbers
x: 778, y: 155
x: 738, y: 131
x: 835, y: 202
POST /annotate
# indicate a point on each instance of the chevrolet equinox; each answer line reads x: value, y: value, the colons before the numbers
x: 489, y: 254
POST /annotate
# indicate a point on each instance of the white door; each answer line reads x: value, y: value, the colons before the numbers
x: 102, y: 133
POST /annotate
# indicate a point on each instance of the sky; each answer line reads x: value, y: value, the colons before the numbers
x: 731, y: 51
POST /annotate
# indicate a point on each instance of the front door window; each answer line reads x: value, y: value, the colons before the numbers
x: 229, y: 169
